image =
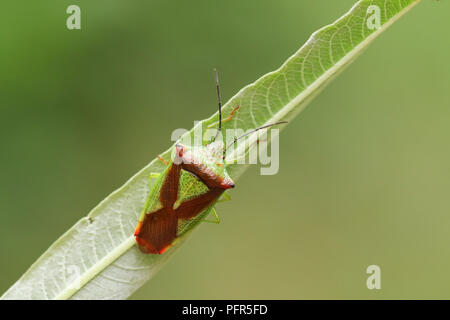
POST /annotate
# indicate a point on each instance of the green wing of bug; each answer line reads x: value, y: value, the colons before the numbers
x: 187, y: 225
x: 191, y: 187
x: 153, y: 203
x: 159, y: 225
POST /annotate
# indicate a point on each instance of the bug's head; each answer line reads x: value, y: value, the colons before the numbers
x: 208, y: 155
x: 205, y: 162
x: 179, y: 153
x: 179, y: 149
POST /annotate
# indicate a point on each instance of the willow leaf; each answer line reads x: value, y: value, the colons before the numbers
x: 98, y: 259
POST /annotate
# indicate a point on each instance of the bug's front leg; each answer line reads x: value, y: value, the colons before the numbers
x: 215, y: 215
x: 212, y: 125
x: 160, y: 158
x: 224, y: 197
x: 153, y: 176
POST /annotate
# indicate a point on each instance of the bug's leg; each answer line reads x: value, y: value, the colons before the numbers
x: 215, y: 215
x: 224, y: 120
x: 231, y: 114
x: 224, y: 197
x: 162, y: 160
x: 153, y: 175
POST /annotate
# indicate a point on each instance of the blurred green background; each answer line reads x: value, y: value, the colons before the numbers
x: 364, y: 175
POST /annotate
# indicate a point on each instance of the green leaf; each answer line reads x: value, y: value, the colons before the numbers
x: 98, y: 258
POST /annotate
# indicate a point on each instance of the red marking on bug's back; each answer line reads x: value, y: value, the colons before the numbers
x: 204, y: 172
x: 146, y: 247
x: 156, y: 233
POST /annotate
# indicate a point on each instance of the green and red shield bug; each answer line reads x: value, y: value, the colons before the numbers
x: 189, y: 187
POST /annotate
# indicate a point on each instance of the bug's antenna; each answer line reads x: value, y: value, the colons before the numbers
x: 220, y: 103
x: 250, y: 132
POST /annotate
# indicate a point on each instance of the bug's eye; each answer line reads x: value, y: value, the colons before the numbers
x: 180, y: 150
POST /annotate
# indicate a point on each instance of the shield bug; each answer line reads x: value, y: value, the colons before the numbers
x: 188, y: 188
